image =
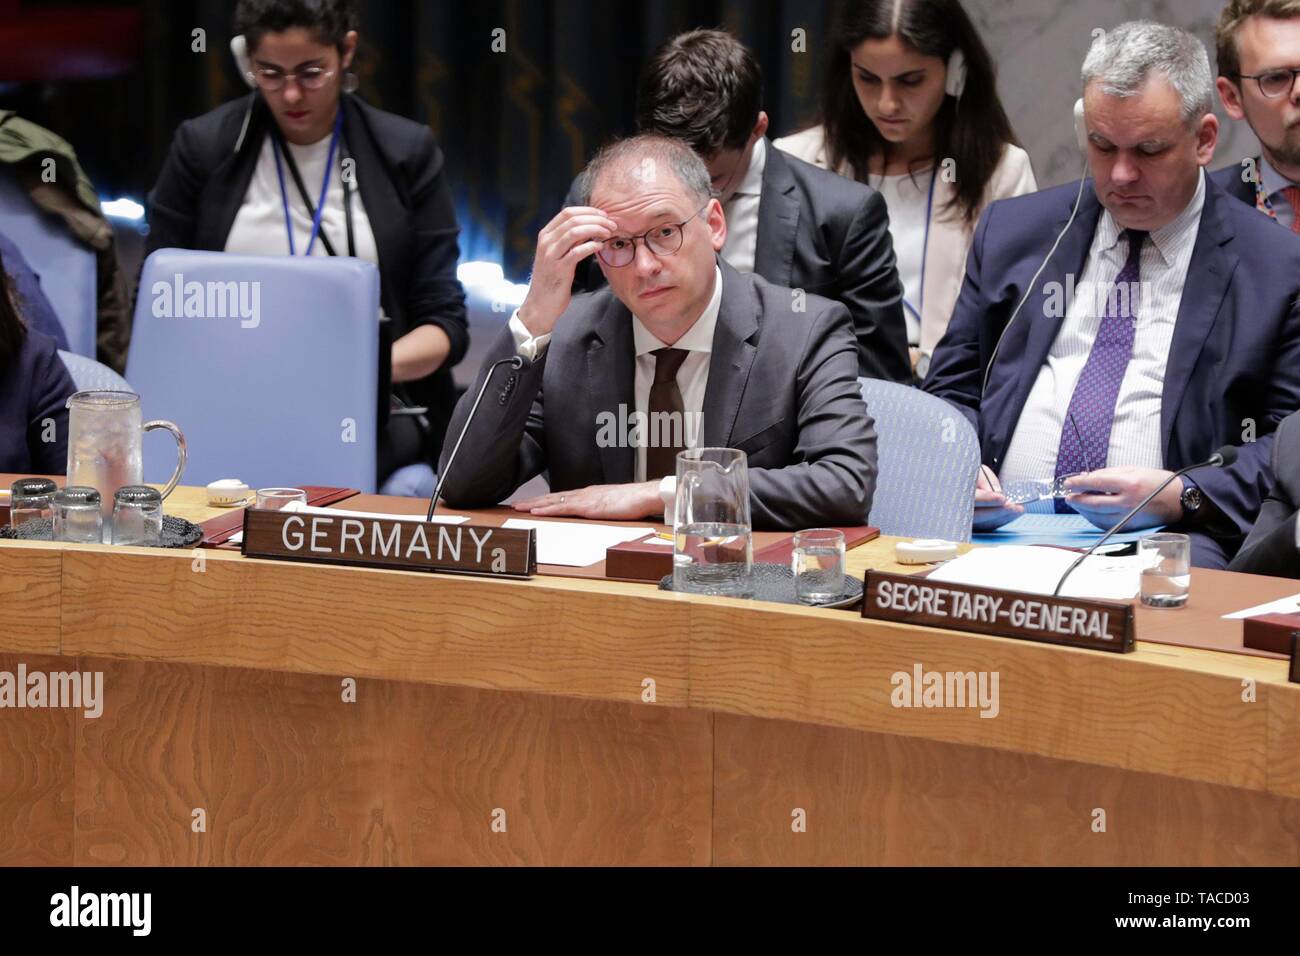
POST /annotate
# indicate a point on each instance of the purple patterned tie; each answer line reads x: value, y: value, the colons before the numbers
x: 1085, y: 434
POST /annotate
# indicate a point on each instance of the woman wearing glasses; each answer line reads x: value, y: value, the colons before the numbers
x: 302, y: 166
x: 910, y: 107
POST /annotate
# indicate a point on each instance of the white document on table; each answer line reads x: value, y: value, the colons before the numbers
x: 576, y: 544
x: 1037, y: 570
x: 1286, y: 605
x: 299, y: 507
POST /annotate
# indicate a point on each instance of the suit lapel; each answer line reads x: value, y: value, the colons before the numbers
x: 778, y: 220
x: 611, y: 374
x: 732, y: 357
x: 1208, y: 273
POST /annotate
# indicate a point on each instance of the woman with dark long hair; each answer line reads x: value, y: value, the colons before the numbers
x: 910, y: 107
x: 248, y: 177
x: 34, y: 391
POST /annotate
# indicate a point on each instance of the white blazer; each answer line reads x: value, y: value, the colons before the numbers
x: 950, y: 234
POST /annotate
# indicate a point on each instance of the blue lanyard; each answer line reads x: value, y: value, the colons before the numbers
x: 925, y: 248
x: 324, y: 188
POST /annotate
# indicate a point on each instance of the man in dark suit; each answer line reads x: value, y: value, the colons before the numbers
x: 1179, y: 337
x: 1259, y: 81
x: 1273, y: 547
x: 708, y: 356
x: 788, y: 221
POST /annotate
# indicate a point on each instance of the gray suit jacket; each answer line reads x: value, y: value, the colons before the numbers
x: 782, y: 388
x: 1271, y: 546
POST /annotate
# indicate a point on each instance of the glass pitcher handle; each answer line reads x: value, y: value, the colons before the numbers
x: 182, y: 455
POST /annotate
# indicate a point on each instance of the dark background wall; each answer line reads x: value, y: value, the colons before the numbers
x: 517, y: 125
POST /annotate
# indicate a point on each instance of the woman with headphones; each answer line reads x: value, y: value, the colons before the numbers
x: 910, y: 107
x: 302, y: 166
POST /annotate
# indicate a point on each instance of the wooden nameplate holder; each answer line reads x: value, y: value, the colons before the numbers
x: 383, y: 542
x: 1077, y: 622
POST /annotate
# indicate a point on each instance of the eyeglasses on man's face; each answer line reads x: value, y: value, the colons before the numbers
x: 1273, y: 83
x: 273, y: 80
x: 663, y: 240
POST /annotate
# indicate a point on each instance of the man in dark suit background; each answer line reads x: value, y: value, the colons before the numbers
x: 720, y: 358
x: 1259, y: 81
x: 1202, y: 348
x: 1273, y: 547
x: 792, y: 223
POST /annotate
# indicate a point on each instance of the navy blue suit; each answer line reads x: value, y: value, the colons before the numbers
x: 34, y: 386
x: 1230, y: 181
x: 1234, y: 359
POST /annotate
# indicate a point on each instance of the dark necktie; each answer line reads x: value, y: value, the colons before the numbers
x: 1085, y: 432
x: 665, y: 397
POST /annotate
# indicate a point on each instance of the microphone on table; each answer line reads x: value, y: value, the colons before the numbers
x: 1222, y: 458
x: 517, y: 362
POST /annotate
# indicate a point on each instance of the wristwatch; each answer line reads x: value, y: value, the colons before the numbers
x: 1191, y: 499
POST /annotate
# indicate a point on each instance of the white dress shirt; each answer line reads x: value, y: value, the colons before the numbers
x: 907, y: 197
x: 258, y: 229
x: 1135, y: 432
x: 692, y: 375
x: 741, y: 211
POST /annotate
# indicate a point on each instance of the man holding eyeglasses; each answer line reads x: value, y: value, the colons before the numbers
x: 705, y: 355
x: 1259, y: 82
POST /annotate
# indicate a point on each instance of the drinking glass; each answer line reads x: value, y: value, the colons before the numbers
x: 77, y: 515
x: 31, y: 498
x: 1166, y: 562
x: 277, y: 499
x: 137, y: 516
x: 818, y: 565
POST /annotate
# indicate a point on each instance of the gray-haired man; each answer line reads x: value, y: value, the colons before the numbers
x: 1163, y: 324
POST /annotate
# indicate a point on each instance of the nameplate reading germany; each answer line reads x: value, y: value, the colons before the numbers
x: 1099, y: 625
x: 382, y: 542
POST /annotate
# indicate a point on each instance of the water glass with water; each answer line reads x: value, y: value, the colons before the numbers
x: 818, y: 565
x: 277, y: 499
x: 712, y: 532
x: 1166, y: 562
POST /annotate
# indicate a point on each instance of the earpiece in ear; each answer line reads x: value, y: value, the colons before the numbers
x: 239, y: 49
x: 955, y: 82
x: 1080, y: 127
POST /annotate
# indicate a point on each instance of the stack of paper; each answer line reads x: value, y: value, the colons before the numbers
x: 574, y: 543
x: 1037, y: 570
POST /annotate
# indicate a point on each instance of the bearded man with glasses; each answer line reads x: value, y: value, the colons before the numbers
x: 1259, y: 82
x: 677, y: 336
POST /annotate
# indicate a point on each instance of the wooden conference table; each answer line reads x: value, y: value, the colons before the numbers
x: 502, y: 721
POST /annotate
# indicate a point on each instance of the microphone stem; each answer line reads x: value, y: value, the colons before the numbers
x: 1123, y: 521
x: 487, y: 380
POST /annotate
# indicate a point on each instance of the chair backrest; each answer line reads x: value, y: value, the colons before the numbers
x: 87, y: 374
x: 929, y: 458
x: 65, y: 266
x: 269, y: 365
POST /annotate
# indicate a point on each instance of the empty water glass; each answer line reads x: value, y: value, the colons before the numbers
x: 77, y: 515
x: 818, y: 565
x: 31, y: 499
x: 138, y: 516
x: 277, y: 499
x: 1166, y: 563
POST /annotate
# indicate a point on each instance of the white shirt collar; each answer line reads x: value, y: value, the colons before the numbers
x: 698, y: 338
x: 752, y: 184
x: 1165, y: 239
